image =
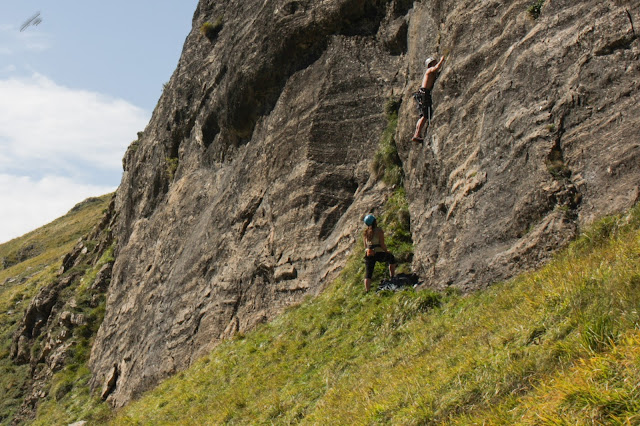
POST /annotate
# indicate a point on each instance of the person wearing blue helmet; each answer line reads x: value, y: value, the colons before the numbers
x: 375, y: 250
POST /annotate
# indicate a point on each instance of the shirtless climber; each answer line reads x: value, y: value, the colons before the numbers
x: 423, y: 96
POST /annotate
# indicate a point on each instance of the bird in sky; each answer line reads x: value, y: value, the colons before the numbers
x: 34, y: 21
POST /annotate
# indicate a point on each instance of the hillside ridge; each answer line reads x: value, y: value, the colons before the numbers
x: 45, y: 320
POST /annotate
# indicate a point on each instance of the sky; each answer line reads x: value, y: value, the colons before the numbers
x: 74, y: 91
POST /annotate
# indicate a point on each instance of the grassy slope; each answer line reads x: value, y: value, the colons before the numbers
x: 33, y: 261
x: 68, y: 395
x: 558, y: 346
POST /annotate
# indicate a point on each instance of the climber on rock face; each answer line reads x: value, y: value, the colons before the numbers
x: 375, y: 250
x: 423, y: 96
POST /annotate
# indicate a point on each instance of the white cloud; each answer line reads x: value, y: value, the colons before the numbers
x: 58, y: 146
x: 28, y: 203
x: 47, y: 127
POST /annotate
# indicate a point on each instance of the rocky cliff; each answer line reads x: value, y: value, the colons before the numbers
x: 535, y: 132
x: 245, y: 192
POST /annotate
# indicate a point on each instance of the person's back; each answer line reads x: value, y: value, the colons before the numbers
x: 429, y: 78
x: 373, y: 243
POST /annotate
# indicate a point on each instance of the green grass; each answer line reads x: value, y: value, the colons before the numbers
x: 560, y: 345
x: 556, y: 346
x: 600, y: 389
x: 33, y: 261
x: 396, y: 222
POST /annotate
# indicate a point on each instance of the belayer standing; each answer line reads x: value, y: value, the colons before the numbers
x: 423, y: 96
x: 375, y: 250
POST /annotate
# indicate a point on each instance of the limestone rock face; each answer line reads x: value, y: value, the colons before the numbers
x: 535, y: 132
x: 246, y: 190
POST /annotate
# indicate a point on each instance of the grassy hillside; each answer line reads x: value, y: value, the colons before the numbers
x: 26, y: 264
x: 557, y: 346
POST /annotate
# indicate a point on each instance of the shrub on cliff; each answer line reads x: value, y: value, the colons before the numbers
x: 535, y: 8
x: 386, y: 162
x: 211, y: 29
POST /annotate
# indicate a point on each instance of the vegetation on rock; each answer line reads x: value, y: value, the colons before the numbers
x: 20, y: 283
x: 535, y: 8
x: 69, y: 395
x: 211, y: 29
x: 386, y: 162
x: 172, y: 166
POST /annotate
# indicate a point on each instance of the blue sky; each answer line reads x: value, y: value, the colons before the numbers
x: 74, y: 91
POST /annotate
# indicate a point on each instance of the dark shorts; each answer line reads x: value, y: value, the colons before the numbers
x: 424, y: 103
x: 370, y: 262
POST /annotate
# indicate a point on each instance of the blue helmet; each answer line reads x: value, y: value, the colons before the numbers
x: 369, y: 219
